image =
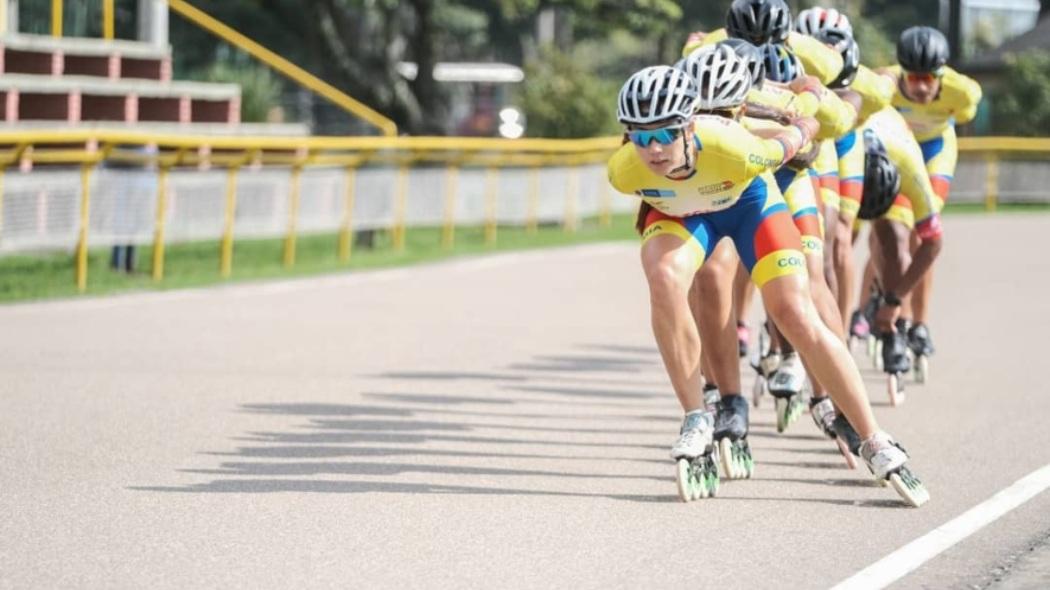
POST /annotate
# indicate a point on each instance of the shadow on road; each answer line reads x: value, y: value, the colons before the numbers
x: 485, y: 436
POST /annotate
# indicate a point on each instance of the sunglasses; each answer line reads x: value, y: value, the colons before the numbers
x: 662, y: 136
x: 922, y: 77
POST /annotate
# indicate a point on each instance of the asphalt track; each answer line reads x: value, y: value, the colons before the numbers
x: 497, y: 422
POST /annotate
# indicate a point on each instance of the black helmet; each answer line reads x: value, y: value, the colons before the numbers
x: 922, y: 49
x: 752, y: 56
x: 759, y: 21
x: 782, y: 65
x: 847, y: 47
x: 882, y: 180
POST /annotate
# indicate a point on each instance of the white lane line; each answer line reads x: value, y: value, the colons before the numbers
x: 908, y: 558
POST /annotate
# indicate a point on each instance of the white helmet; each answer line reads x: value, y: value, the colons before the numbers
x: 655, y: 94
x: 815, y: 20
x: 721, y: 75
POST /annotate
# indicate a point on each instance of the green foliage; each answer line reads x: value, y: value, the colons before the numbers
x: 877, y: 49
x: 561, y: 100
x: 260, y: 89
x: 1021, y: 105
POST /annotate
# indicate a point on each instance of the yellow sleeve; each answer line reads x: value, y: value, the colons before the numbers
x: 876, y: 91
x: 770, y: 95
x: 962, y: 93
x: 692, y: 43
x: 619, y: 167
x: 818, y: 59
x: 736, y: 146
x: 836, y: 116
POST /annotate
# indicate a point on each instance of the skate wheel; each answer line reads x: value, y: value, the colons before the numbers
x: 895, y: 389
x: 781, y: 406
x: 851, y: 461
x: 910, y: 489
x: 682, y: 476
x: 922, y: 369
x: 758, y: 390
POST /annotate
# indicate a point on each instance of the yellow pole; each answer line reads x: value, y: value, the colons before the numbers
x: 991, y: 188
x: 531, y: 217
x: 346, y: 236
x: 491, y: 188
x: 570, y: 199
x: 158, y: 231
x: 56, y: 18
x: 293, y: 216
x: 448, y: 231
x: 85, y: 218
x: 1, y: 195
x: 226, y: 254
x: 107, y: 19
x: 400, y: 195
x: 304, y: 78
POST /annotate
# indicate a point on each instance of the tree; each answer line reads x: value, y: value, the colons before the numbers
x: 563, y: 101
x: 1022, y: 106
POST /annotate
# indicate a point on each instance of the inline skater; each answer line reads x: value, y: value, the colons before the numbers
x: 703, y: 178
x: 932, y: 97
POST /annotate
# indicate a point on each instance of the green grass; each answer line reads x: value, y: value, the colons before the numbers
x: 1001, y: 208
x: 197, y: 264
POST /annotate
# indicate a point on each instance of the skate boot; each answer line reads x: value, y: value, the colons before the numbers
x: 895, y: 362
x: 786, y: 388
x: 922, y: 347
x: 764, y: 368
x: 711, y: 397
x: 847, y: 440
x: 743, y: 337
x: 823, y: 412
x: 696, y: 469
x: 887, y: 461
x: 731, y: 437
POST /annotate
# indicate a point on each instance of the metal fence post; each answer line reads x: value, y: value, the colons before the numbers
x: 162, y: 215
x: 570, y: 223
x: 226, y: 254
x: 85, y: 220
x: 107, y: 19
x: 346, y: 234
x: 293, y: 216
x: 532, y: 215
x: 991, y: 188
x: 400, y: 195
x: 448, y: 229
x: 56, y: 18
x: 491, y: 190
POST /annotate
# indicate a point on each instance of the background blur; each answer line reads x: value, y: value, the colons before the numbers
x: 302, y: 136
x: 449, y: 67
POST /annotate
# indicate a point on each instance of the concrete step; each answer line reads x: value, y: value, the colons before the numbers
x: 77, y: 98
x: 116, y: 59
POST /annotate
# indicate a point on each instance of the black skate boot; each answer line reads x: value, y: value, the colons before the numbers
x: 731, y: 422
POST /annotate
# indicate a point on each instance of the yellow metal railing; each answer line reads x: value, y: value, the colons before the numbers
x: 292, y: 71
x: 235, y: 38
x: 993, y: 149
x: 88, y: 148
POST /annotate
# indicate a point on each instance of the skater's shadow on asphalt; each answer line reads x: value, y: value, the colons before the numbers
x: 835, y: 502
x: 448, y: 439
